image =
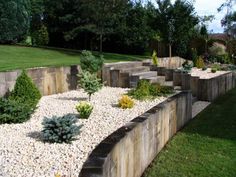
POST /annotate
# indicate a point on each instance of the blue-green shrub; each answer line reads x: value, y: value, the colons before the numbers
x: 60, y: 129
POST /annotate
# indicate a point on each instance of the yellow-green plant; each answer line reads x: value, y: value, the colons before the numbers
x: 154, y: 58
x: 84, y: 109
x: 126, y: 102
x: 200, y: 63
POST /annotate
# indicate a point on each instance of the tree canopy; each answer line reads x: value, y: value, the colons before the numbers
x: 14, y: 19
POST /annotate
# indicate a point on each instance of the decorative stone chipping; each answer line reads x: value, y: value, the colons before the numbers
x: 128, y: 151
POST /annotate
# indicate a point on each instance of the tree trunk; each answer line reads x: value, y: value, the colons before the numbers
x: 170, y: 51
x: 101, y: 38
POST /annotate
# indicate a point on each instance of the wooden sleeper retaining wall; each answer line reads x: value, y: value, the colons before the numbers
x: 128, y: 151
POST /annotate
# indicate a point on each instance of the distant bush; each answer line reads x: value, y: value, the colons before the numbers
x: 14, y: 111
x: 154, y: 58
x: 40, y: 37
x: 89, y: 82
x: 217, y: 49
x: 60, y: 129
x: 200, y: 63
x: 146, y: 90
x: 89, y: 62
x: 84, y: 109
x: 126, y: 102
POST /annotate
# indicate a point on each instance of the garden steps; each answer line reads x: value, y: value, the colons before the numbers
x: 148, y: 75
x: 133, y: 70
x: 122, y: 65
x: 156, y: 80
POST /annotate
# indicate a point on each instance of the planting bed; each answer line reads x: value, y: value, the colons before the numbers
x: 22, y: 153
x: 207, y: 74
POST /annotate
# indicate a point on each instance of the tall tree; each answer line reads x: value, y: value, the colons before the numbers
x: 103, y: 16
x: 14, y: 20
x: 176, y: 23
x: 228, y: 22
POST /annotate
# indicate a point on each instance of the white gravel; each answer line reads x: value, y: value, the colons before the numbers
x: 207, y: 74
x: 198, y: 107
x: 23, y: 154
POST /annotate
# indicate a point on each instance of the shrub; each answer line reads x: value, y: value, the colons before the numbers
x: 159, y: 90
x: 217, y: 49
x: 200, y: 63
x: 40, y: 37
x: 194, y: 56
x: 25, y: 90
x: 142, y: 91
x: 126, y: 102
x: 14, y: 111
x: 146, y: 90
x: 187, y: 66
x: 60, y: 129
x: 154, y: 58
x: 89, y: 82
x: 89, y: 62
x: 84, y: 109
x: 213, y: 70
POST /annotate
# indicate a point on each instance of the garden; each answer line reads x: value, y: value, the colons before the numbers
x: 55, y: 134
x: 116, y: 88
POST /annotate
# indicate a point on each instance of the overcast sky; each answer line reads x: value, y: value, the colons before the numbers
x: 209, y: 7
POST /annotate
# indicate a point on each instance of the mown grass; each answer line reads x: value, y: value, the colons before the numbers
x: 205, y: 148
x: 19, y: 57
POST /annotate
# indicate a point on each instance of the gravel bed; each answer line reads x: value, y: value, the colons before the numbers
x: 207, y: 74
x: 198, y: 107
x: 23, y: 154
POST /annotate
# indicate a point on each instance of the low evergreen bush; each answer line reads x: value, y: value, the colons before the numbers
x: 90, y: 83
x: 154, y: 58
x: 90, y: 63
x: 25, y: 90
x: 200, y: 63
x: 84, y: 109
x: 146, y: 90
x: 60, y: 129
x: 14, y: 111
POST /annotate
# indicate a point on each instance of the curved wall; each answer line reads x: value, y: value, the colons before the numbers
x: 128, y: 151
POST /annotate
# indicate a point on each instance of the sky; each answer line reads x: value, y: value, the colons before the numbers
x: 209, y: 7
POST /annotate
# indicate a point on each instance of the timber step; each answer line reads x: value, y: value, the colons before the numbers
x: 134, y: 70
x: 156, y: 80
x: 134, y: 78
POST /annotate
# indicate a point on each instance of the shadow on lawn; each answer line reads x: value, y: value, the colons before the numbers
x: 218, y: 120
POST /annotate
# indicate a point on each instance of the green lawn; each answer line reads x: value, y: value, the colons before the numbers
x: 17, y: 57
x: 205, y: 148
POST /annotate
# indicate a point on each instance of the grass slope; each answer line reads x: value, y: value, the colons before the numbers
x: 17, y: 57
x: 205, y: 148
